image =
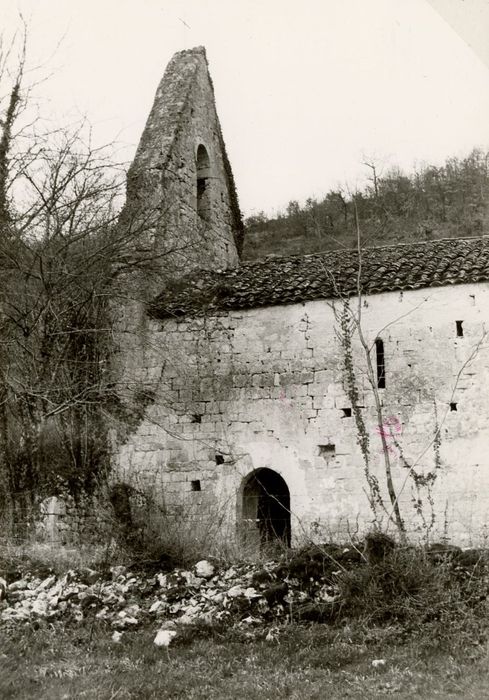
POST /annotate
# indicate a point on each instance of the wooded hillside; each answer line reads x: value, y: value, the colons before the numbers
x: 433, y: 202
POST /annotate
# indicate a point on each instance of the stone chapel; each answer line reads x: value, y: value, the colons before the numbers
x: 252, y: 416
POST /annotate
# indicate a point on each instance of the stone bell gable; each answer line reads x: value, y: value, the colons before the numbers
x: 181, y: 196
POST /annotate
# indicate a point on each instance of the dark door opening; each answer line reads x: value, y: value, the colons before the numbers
x: 266, y: 507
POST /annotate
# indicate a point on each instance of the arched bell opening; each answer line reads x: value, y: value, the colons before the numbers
x: 265, y: 508
x: 203, y: 166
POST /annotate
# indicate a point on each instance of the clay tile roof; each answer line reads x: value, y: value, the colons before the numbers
x: 329, y: 275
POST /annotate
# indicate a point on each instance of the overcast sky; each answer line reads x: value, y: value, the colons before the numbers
x: 305, y: 89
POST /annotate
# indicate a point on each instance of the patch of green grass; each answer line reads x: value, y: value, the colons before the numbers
x: 314, y: 662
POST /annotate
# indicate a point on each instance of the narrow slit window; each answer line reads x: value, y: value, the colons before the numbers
x: 460, y: 329
x: 380, y: 358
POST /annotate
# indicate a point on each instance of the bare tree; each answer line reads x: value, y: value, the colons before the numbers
x: 350, y: 325
x: 62, y: 257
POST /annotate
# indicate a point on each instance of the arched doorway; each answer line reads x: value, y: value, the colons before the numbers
x: 266, y: 508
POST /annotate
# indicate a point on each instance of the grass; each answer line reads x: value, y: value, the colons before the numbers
x: 313, y: 662
x: 424, y: 613
x: 43, y: 559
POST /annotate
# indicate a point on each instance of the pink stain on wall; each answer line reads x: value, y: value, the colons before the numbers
x: 389, y: 430
x: 284, y: 399
x: 390, y: 427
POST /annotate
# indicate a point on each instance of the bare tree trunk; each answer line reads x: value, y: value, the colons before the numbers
x: 373, y: 384
x: 5, y: 142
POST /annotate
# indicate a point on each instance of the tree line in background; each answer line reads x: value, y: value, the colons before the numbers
x: 451, y: 200
x: 65, y: 260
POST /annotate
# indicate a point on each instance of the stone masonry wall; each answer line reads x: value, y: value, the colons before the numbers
x: 162, y: 181
x: 202, y: 242
x: 161, y: 212
x: 266, y: 388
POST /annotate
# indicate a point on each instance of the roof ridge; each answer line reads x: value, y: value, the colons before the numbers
x: 320, y: 253
x: 329, y: 275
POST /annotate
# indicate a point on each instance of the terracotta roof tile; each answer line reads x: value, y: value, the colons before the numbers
x: 296, y: 279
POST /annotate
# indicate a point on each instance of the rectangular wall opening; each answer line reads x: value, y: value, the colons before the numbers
x: 327, y: 452
x: 195, y: 485
x: 460, y: 329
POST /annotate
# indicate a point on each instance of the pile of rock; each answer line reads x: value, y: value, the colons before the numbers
x: 311, y: 585
x: 246, y: 594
